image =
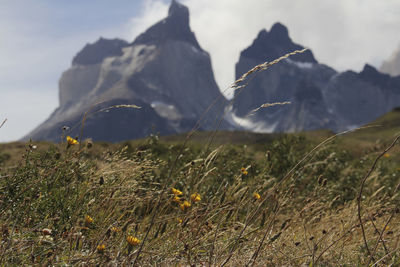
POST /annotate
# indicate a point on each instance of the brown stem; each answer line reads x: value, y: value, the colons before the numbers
x: 379, y: 232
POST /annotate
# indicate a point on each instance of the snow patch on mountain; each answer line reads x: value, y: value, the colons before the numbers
x: 167, y: 111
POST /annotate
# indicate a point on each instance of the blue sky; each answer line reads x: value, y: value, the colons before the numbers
x: 38, y: 39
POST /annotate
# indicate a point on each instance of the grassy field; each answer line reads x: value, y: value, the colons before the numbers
x: 214, y: 199
x: 242, y: 199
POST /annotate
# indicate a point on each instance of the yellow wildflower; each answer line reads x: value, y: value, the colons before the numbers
x: 180, y: 220
x: 244, y: 171
x: 72, y: 141
x: 88, y: 219
x: 133, y: 241
x: 115, y: 229
x: 176, y: 199
x: 256, y: 196
x: 101, y: 248
x: 184, y: 205
x: 386, y: 155
x: 195, y: 197
x: 176, y: 192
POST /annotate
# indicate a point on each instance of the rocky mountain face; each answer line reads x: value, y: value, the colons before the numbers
x: 164, y: 71
x: 392, y: 64
x: 320, y: 97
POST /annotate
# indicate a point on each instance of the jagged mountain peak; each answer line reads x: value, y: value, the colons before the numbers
x: 275, y: 43
x: 174, y: 27
x: 369, y: 69
x: 279, y: 33
x: 95, y: 53
x: 179, y: 11
x: 372, y: 75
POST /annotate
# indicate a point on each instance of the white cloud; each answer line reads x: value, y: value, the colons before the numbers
x: 343, y: 34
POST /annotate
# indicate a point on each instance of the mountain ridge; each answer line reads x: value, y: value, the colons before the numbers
x: 320, y: 96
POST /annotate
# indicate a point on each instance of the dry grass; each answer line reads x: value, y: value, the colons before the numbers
x: 305, y: 219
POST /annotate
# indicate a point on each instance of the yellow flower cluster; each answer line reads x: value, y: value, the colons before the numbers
x: 184, y: 204
x: 132, y: 241
x: 244, y: 171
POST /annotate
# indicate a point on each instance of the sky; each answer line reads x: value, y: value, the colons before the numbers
x: 39, y: 38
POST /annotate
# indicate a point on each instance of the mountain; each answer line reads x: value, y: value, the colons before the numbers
x: 298, y: 80
x: 359, y: 98
x: 320, y: 97
x: 169, y: 76
x: 164, y: 71
x: 392, y: 64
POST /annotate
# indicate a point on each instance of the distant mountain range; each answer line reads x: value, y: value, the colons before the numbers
x: 320, y: 96
x: 166, y: 72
